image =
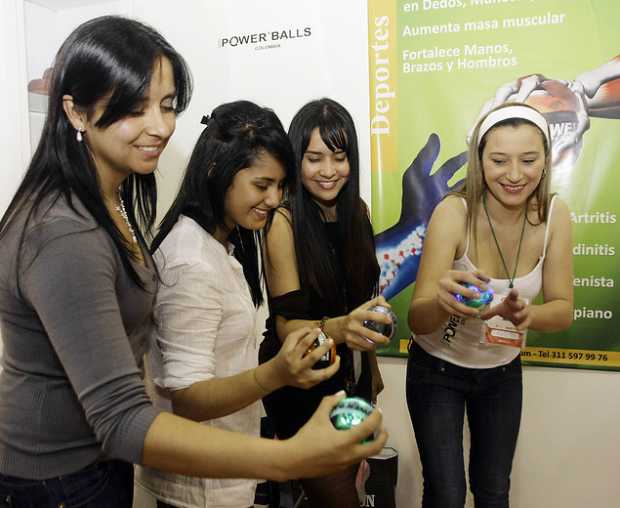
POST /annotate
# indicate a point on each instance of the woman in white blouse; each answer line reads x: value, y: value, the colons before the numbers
x: 204, y: 354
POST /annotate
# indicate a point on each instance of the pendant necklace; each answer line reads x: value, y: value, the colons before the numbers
x: 122, y: 211
x: 499, y: 250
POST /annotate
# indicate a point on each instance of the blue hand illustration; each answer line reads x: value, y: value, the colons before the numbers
x: 400, y: 246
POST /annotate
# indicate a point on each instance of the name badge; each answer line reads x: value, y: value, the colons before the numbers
x: 500, y: 331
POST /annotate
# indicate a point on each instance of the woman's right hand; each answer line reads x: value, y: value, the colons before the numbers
x: 293, y: 365
x: 356, y: 335
x: 319, y: 448
x: 451, y: 284
x: 513, y: 309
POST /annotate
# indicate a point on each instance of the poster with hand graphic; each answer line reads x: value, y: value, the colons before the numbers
x: 435, y: 67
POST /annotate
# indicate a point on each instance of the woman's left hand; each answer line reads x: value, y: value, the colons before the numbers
x: 377, y: 386
x: 513, y: 309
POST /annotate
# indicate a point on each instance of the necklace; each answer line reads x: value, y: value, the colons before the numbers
x: 122, y: 211
x: 501, y: 255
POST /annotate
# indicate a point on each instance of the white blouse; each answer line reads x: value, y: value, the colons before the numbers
x: 204, y: 327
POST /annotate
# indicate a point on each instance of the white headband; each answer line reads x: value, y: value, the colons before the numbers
x: 524, y: 112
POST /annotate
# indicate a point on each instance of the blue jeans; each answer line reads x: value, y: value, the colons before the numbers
x: 101, y: 485
x: 438, y: 395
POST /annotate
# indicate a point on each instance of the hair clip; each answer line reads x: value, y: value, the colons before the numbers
x: 205, y: 119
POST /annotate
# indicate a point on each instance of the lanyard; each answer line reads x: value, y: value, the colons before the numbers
x: 501, y: 255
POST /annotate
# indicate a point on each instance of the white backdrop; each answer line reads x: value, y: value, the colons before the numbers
x: 14, y: 134
x: 284, y: 77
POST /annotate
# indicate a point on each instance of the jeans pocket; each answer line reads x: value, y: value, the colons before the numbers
x: 416, y: 373
x: 513, y: 368
x: 82, y: 487
x: 15, y: 492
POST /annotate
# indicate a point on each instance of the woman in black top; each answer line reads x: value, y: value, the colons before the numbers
x: 322, y: 271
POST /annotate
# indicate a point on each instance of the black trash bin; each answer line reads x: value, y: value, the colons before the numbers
x: 381, y: 483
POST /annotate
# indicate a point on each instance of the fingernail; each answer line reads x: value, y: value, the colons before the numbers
x: 341, y: 392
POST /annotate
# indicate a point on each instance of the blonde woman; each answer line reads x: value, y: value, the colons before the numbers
x: 502, y: 231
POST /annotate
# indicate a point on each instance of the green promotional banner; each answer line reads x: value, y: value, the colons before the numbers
x: 435, y: 67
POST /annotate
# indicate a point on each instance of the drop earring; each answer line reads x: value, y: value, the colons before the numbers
x: 78, y: 135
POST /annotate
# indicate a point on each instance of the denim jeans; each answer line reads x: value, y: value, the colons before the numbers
x: 161, y: 504
x: 101, y: 485
x: 438, y: 395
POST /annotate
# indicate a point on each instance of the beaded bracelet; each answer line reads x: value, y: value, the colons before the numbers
x: 266, y: 390
x: 322, y: 324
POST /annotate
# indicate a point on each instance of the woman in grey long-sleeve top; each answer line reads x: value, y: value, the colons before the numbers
x: 77, y: 288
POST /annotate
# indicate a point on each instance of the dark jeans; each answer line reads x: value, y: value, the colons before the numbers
x: 100, y: 485
x: 161, y: 504
x: 438, y: 394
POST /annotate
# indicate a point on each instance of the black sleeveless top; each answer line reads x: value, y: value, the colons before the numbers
x: 290, y: 408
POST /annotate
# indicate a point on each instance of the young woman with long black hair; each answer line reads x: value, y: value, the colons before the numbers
x: 322, y: 271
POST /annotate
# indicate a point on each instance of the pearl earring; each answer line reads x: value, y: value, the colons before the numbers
x: 78, y: 135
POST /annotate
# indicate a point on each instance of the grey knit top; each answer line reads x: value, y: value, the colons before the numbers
x: 74, y: 325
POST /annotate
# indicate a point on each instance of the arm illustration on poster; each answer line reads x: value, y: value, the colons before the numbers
x: 399, y: 247
x: 567, y: 106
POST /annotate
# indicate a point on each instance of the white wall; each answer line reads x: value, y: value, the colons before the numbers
x: 283, y: 78
x: 14, y: 135
x: 569, y: 450
x: 48, y: 24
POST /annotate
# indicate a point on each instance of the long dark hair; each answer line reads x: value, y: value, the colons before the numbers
x: 237, y: 133
x: 315, y: 266
x: 113, y: 56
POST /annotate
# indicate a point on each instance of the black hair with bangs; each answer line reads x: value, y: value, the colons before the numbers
x: 314, y: 264
x: 236, y: 135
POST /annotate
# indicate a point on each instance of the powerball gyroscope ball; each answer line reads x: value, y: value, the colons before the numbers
x: 484, y: 297
x: 329, y: 357
x: 382, y: 328
x: 349, y: 412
